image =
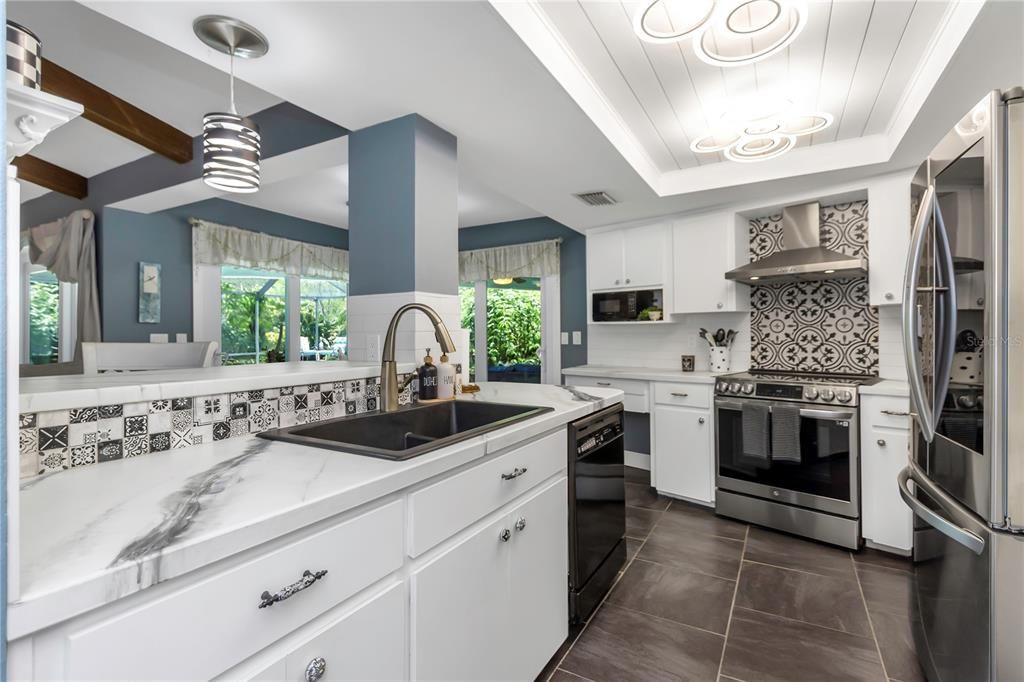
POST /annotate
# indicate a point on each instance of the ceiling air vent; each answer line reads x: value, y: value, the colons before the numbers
x: 596, y: 198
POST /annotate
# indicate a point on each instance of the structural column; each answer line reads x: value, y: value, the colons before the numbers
x: 403, y: 235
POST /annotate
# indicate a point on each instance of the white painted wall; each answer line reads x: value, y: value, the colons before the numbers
x: 659, y: 346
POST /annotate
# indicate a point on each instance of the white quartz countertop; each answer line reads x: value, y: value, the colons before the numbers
x: 889, y: 387
x: 92, y: 535
x: 68, y: 391
x: 640, y: 373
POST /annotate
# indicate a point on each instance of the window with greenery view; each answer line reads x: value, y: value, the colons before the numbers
x: 44, y: 317
x: 513, y: 328
x: 323, y: 318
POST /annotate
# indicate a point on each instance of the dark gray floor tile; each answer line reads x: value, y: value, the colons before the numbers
x: 621, y: 646
x: 643, y: 495
x: 637, y: 475
x: 566, y: 676
x: 677, y: 546
x: 820, y: 600
x: 686, y: 597
x: 771, y: 649
x: 888, y: 590
x: 639, y: 521
x: 777, y: 549
x: 632, y: 546
x: 700, y: 520
x: 896, y: 641
x: 874, y: 557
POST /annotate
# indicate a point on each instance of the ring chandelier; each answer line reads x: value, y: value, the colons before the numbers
x: 763, y: 138
x: 725, y: 32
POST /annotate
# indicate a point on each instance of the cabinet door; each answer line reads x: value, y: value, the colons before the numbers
x: 645, y: 251
x: 886, y: 518
x: 604, y: 260
x: 460, y: 603
x: 539, y: 615
x: 704, y: 248
x: 683, y: 453
x: 889, y: 224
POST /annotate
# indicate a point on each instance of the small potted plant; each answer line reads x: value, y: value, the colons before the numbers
x: 652, y: 314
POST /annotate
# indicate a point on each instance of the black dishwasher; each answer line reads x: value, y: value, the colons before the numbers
x: 597, y: 509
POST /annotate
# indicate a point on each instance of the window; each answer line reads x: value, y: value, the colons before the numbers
x: 268, y: 316
x: 48, y: 315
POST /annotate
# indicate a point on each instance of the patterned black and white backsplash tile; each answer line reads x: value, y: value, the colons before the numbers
x: 62, y: 439
x: 815, y: 326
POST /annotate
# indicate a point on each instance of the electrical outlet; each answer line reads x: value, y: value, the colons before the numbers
x: 565, y: 338
x: 577, y: 338
x: 373, y: 348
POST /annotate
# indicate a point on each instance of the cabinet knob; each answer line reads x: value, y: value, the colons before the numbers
x: 881, y: 441
x: 700, y: 420
x: 981, y: 301
x: 504, y: 535
x: 616, y: 281
x: 316, y: 669
x: 628, y: 280
x: 719, y: 305
x: 521, y: 523
x: 889, y: 296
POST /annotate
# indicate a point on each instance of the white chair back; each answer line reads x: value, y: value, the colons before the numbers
x: 99, y: 357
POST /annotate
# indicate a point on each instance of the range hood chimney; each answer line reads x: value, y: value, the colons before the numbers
x: 802, y: 256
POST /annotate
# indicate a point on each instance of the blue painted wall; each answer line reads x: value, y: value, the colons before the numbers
x: 166, y: 238
x: 573, y: 268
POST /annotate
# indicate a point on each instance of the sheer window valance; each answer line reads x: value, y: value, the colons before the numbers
x: 536, y: 259
x: 214, y: 244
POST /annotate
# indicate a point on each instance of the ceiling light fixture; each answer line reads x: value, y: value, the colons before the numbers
x: 747, y: 31
x: 760, y: 138
x: 668, y: 21
x: 231, y: 143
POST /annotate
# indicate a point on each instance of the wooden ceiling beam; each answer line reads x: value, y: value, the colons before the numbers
x: 51, y: 176
x: 117, y: 115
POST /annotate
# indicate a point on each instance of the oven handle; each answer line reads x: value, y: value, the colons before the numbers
x: 947, y: 527
x: 824, y: 413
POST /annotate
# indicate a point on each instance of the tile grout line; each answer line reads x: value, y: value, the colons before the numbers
x: 871, y: 623
x: 605, y: 598
x: 732, y: 605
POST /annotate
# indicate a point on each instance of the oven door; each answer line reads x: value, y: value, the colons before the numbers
x: 825, y: 479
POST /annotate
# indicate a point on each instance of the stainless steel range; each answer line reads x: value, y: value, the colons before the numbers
x: 788, y: 452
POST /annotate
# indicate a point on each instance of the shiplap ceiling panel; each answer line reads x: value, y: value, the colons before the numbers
x: 853, y: 60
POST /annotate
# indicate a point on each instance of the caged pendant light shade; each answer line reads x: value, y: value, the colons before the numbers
x: 231, y: 143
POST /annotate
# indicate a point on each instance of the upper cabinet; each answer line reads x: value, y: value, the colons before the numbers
x: 704, y: 248
x: 889, y: 225
x: 628, y: 258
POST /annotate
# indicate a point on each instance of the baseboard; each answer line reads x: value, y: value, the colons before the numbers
x: 638, y: 460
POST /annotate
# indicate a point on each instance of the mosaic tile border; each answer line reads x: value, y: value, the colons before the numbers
x: 63, y: 439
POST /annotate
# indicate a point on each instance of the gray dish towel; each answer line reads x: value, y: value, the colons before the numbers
x: 755, y: 431
x: 786, y: 433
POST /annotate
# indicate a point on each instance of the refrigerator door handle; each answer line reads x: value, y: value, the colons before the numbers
x: 911, y: 317
x: 947, y: 335
x: 949, y: 528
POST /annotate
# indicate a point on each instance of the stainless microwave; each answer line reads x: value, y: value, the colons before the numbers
x: 623, y: 306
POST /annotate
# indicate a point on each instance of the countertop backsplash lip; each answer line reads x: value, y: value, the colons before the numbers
x: 71, y: 543
x: 644, y: 373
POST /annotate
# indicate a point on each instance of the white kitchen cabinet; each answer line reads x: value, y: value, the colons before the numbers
x: 885, y: 444
x: 704, y: 248
x: 495, y: 605
x: 628, y: 258
x: 889, y: 226
x: 684, y: 453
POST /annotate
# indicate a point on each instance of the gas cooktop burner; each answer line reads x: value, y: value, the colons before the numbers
x: 807, y: 387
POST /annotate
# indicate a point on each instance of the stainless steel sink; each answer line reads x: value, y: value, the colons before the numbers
x: 409, y: 432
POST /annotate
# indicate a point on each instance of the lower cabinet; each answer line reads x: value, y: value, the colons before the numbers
x: 684, y: 452
x: 886, y: 520
x: 495, y: 605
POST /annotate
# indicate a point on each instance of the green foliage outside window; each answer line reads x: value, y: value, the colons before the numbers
x: 513, y: 324
x: 239, y: 326
x: 44, y: 312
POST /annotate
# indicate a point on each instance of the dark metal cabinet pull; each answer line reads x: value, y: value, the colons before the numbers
x: 307, y: 579
x: 516, y: 473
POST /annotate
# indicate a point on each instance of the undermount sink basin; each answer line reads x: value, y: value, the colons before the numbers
x: 409, y: 432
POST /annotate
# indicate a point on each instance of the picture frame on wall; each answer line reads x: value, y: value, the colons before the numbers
x: 149, y: 293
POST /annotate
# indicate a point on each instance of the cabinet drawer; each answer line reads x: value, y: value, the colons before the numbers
x: 893, y: 412
x: 216, y: 623
x: 637, y: 393
x: 684, y: 395
x: 443, y: 509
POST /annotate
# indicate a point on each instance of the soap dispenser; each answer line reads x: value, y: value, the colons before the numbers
x: 445, y: 379
x: 428, y: 378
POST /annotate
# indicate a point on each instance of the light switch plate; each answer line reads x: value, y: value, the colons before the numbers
x: 181, y: 338
x: 577, y: 338
x: 565, y: 338
x: 158, y: 338
x: 373, y: 348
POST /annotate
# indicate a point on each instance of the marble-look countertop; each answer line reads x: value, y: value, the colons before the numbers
x: 892, y: 387
x: 92, y: 535
x: 641, y: 373
x: 63, y: 392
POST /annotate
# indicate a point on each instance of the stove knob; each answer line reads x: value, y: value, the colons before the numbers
x: 748, y: 388
x: 828, y: 394
x: 734, y: 387
x: 811, y: 393
x: 966, y: 401
x: 722, y: 387
x: 844, y: 396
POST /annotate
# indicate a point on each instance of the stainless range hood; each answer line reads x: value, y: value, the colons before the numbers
x: 802, y: 256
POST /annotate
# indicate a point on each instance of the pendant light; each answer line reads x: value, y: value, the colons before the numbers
x: 231, y: 143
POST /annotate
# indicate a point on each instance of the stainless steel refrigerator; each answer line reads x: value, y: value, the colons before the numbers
x: 963, y: 334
